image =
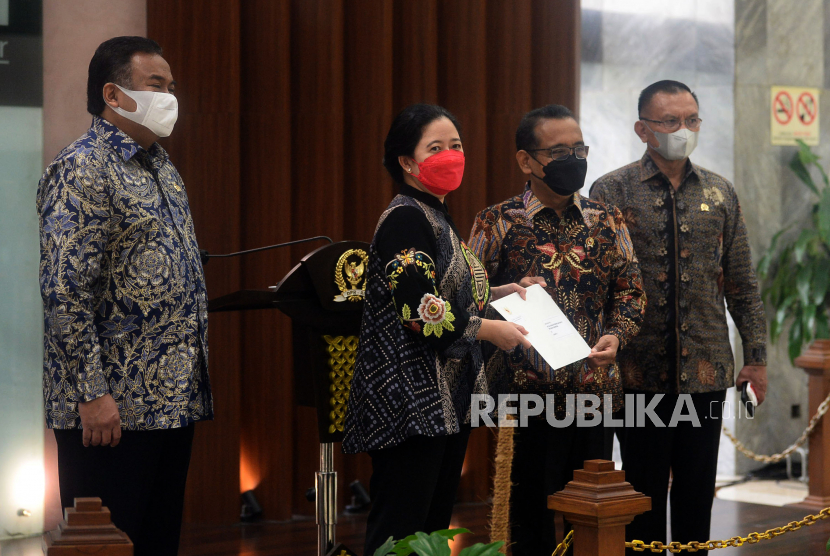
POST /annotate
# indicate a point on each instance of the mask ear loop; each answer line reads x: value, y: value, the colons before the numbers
x: 537, y: 162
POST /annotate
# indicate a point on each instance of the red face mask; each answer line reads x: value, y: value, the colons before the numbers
x: 442, y: 172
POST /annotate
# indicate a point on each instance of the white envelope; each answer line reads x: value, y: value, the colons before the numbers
x: 549, y: 330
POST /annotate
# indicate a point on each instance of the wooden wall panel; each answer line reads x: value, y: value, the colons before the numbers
x: 368, y: 108
x: 416, y: 53
x: 317, y: 134
x: 462, y: 89
x: 556, y: 52
x: 205, y: 149
x: 509, y: 84
x: 267, y: 462
x: 284, y: 108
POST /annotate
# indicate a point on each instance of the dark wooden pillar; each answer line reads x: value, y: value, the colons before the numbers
x: 599, y: 503
x: 816, y: 363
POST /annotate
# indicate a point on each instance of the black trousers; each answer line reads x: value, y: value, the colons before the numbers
x: 413, y: 486
x: 544, y: 459
x: 141, y: 481
x: 686, y: 453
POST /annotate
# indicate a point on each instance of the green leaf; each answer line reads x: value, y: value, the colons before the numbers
x: 766, y: 260
x: 824, y: 216
x: 407, y: 312
x: 403, y: 547
x: 796, y: 340
x: 808, y: 322
x: 781, y: 314
x: 430, y: 545
x: 800, y: 247
x: 480, y: 549
x: 827, y: 548
x: 802, y: 284
x: 801, y: 171
x: 782, y: 284
x: 810, y: 158
x: 385, y: 548
x: 821, y: 279
x: 822, y: 326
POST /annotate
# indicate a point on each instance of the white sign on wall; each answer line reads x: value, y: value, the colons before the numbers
x: 794, y: 115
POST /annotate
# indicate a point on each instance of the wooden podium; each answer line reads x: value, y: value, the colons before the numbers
x: 323, y: 296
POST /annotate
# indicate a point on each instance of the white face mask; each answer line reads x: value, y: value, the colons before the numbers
x: 156, y: 111
x: 677, y: 145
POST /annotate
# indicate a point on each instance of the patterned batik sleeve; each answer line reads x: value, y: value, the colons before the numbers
x: 406, y: 244
x: 628, y: 296
x: 741, y: 286
x: 598, y: 193
x: 73, y: 209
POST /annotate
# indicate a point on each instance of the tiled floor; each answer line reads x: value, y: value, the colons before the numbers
x: 770, y: 493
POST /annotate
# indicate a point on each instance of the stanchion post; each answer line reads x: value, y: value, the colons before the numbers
x: 816, y: 363
x: 86, y: 529
x: 599, y: 503
x: 326, y: 486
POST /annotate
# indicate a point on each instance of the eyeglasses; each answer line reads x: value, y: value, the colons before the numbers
x: 562, y: 153
x: 673, y: 124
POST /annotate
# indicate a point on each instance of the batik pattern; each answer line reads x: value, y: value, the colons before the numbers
x: 125, y: 306
x: 588, y: 263
x: 694, y: 254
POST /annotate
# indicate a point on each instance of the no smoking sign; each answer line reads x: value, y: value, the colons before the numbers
x: 794, y: 115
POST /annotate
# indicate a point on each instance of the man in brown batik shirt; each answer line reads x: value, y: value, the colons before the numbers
x: 691, y: 241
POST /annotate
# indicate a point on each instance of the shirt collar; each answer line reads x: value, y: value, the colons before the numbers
x: 124, y: 145
x: 534, y: 206
x: 429, y: 200
x: 648, y: 169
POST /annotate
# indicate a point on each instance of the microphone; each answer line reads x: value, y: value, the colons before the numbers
x: 205, y: 256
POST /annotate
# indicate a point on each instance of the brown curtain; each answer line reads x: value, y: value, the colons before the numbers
x: 284, y: 106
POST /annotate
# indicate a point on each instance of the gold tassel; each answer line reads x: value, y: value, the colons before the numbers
x: 500, y: 516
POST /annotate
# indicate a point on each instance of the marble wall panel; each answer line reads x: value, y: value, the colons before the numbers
x: 751, y: 41
x: 778, y: 42
x: 795, y: 42
x: 717, y: 134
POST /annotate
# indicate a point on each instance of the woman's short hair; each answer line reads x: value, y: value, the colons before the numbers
x: 113, y: 63
x: 406, y: 132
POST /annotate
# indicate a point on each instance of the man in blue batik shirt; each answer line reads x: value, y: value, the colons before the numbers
x: 125, y: 305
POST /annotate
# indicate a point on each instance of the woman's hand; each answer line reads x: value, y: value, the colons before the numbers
x: 497, y: 292
x: 504, y: 335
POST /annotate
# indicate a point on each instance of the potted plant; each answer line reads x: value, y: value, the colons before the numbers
x: 798, y: 272
x: 435, y: 544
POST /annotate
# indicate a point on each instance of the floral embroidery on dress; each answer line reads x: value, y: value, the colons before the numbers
x: 435, y: 312
x: 409, y: 257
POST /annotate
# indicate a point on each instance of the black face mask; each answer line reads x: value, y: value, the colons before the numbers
x: 565, y: 177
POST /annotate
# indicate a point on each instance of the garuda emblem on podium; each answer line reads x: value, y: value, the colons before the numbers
x: 351, y: 267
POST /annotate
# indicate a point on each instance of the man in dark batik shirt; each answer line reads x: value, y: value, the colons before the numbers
x: 582, y: 251
x: 690, y: 237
